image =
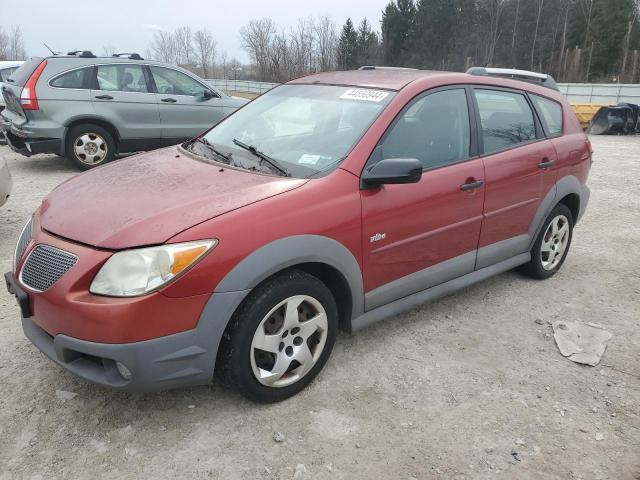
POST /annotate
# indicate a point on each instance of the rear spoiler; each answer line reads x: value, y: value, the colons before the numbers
x: 524, y: 75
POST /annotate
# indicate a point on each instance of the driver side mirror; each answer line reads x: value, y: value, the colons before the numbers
x: 208, y: 95
x: 392, y: 171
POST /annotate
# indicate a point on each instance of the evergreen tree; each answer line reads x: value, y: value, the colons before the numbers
x: 397, y: 19
x: 368, y: 44
x: 348, y: 47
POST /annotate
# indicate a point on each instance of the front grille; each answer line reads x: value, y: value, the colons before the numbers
x: 44, y: 267
x: 23, y: 241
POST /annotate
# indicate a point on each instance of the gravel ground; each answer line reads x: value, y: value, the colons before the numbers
x: 471, y: 386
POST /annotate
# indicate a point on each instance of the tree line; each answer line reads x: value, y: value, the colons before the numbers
x: 12, y: 44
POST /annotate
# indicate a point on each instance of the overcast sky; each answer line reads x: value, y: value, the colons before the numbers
x: 128, y: 25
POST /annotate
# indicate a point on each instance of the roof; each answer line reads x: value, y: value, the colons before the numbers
x: 385, y: 79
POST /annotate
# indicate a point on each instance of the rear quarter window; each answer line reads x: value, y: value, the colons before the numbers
x: 551, y: 113
x: 74, y: 79
x: 23, y: 73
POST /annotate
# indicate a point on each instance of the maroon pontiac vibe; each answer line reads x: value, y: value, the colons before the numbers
x: 330, y: 202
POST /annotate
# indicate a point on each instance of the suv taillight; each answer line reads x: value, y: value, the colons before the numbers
x: 28, y: 98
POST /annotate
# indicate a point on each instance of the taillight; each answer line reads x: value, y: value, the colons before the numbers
x: 28, y: 98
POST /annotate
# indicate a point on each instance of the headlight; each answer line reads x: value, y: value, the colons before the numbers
x: 131, y: 273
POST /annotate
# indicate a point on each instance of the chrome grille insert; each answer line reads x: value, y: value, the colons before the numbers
x: 23, y: 241
x: 44, y: 266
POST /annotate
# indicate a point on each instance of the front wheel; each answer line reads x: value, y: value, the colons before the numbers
x: 89, y: 146
x: 552, y: 244
x: 280, y: 338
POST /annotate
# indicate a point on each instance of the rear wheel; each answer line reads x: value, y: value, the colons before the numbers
x: 89, y: 146
x: 280, y: 338
x: 552, y: 244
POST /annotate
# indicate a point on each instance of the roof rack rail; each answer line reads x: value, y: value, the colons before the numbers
x: 376, y: 67
x: 131, y: 56
x: 82, y: 53
x: 524, y: 75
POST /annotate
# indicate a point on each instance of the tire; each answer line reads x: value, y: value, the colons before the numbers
x: 551, y: 246
x: 89, y: 146
x: 291, y: 344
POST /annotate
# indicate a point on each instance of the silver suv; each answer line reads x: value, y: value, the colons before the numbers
x: 90, y: 108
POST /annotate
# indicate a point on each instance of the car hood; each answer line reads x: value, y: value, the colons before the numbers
x: 147, y: 199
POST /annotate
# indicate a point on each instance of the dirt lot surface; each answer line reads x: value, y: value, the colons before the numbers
x: 471, y: 386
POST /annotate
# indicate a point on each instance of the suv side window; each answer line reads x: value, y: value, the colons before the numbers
x: 434, y: 129
x: 121, y: 78
x: 506, y: 119
x: 74, y: 79
x: 551, y: 113
x: 6, y: 73
x: 172, y: 82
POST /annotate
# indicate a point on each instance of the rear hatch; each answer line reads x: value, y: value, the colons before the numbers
x: 12, y: 89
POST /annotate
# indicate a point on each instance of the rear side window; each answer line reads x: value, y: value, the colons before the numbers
x: 23, y: 73
x: 434, y: 129
x: 121, y: 78
x: 6, y: 73
x: 73, y: 79
x: 551, y: 113
x: 506, y: 119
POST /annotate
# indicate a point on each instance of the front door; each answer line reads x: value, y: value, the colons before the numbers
x: 185, y: 110
x: 416, y: 236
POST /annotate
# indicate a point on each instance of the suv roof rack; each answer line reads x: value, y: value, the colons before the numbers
x: 131, y: 56
x: 82, y: 53
x: 524, y: 75
x: 375, y: 67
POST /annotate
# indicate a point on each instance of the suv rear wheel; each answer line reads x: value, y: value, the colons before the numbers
x: 279, y: 338
x: 89, y: 146
x: 552, y: 244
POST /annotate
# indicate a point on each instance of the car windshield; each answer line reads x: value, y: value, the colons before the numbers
x: 295, y: 130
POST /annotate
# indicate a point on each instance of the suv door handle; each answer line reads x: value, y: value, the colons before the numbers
x: 169, y: 100
x: 104, y: 97
x: 546, y: 163
x: 465, y: 187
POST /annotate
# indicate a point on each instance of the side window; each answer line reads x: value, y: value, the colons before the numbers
x: 551, y: 113
x: 6, y: 73
x: 121, y: 78
x: 506, y: 119
x: 172, y: 82
x: 434, y: 129
x: 74, y: 79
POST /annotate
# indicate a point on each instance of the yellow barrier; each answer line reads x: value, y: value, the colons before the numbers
x: 586, y: 111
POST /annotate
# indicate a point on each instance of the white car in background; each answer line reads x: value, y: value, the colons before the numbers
x: 6, y: 69
x: 5, y: 181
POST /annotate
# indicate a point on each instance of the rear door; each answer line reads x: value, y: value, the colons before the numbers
x: 419, y: 235
x: 122, y: 96
x: 519, y: 170
x: 185, y: 110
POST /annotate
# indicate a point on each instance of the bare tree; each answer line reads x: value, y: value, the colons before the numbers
x: 326, y: 39
x: 586, y: 7
x: 108, y: 50
x: 257, y: 38
x: 4, y: 45
x: 539, y: 5
x: 164, y: 47
x: 205, y: 47
x: 16, y: 44
x: 183, y: 39
x: 300, y: 48
x: 493, y: 9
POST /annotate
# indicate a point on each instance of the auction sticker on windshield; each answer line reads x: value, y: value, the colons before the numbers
x: 364, y: 94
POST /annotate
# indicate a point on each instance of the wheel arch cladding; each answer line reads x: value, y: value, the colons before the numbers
x: 569, y: 191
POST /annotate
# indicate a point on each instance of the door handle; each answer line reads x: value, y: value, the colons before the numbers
x: 104, y: 97
x: 169, y: 100
x: 465, y: 187
x: 546, y: 163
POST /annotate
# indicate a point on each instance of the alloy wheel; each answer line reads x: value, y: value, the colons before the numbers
x: 289, y: 341
x: 90, y: 148
x: 554, y: 242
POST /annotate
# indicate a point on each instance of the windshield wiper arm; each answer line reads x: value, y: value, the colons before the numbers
x: 209, y: 145
x: 263, y: 156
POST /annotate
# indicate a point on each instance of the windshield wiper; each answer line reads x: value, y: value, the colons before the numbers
x: 263, y: 156
x: 214, y: 150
